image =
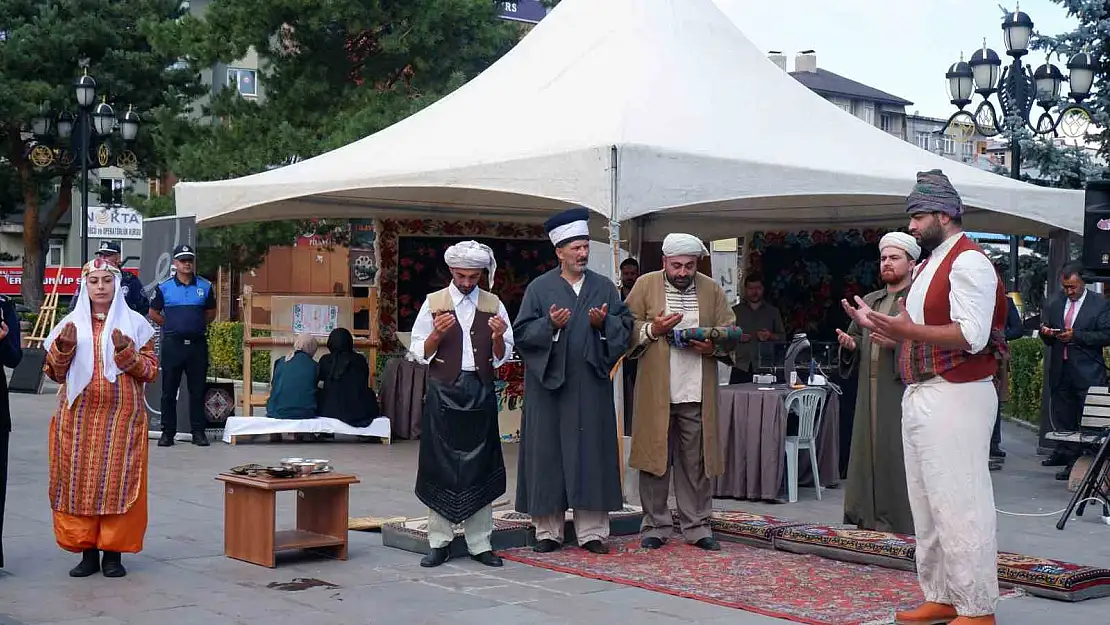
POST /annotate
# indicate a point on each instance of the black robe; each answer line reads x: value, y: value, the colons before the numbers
x: 568, y: 456
x: 11, y: 353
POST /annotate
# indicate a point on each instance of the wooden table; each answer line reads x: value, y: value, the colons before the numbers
x: 249, y: 511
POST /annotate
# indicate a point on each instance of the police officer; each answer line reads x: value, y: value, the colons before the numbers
x: 184, y: 305
x: 131, y: 287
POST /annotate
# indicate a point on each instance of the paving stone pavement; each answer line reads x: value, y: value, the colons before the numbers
x: 182, y: 578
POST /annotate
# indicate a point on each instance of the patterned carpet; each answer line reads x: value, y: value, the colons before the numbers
x: 800, y: 588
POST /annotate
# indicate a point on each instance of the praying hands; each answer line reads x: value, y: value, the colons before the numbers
x: 886, y: 330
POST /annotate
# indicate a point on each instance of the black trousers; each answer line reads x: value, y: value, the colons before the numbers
x: 1068, y: 396
x: 996, y: 436
x: 188, y: 357
x: 3, y: 487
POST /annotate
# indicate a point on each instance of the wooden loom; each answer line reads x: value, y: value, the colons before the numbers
x: 365, y: 340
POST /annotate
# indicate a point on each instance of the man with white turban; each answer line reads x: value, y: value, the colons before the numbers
x: 463, y: 334
x: 875, y: 497
x: 676, y: 393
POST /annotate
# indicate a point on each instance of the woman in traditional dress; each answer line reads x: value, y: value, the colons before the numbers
x: 293, y: 383
x: 345, y: 392
x: 102, y: 354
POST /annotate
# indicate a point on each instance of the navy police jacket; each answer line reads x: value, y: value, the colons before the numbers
x: 184, y: 306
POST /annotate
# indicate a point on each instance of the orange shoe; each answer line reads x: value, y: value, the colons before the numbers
x: 974, y: 620
x: 929, y: 614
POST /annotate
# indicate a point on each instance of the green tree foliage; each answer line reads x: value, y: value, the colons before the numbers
x: 1093, y: 36
x: 44, y: 44
x: 331, y: 72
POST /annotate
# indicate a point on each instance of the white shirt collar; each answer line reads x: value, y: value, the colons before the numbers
x: 458, y: 296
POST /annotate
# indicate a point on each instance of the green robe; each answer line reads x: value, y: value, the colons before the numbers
x: 875, y: 497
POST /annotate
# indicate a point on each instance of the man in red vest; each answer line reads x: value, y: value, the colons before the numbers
x: 950, y: 339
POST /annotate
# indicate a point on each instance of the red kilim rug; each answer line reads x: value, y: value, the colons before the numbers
x: 801, y: 588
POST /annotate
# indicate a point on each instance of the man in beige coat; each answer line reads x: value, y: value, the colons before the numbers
x: 676, y: 393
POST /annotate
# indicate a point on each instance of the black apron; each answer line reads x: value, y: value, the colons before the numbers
x: 461, y: 468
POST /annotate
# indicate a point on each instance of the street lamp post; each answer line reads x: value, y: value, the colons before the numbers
x: 55, y: 141
x: 1018, y: 88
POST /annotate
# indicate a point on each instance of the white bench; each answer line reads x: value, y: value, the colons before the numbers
x: 236, y: 427
x: 1096, y: 416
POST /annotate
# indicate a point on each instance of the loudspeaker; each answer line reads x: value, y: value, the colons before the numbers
x: 1096, y: 230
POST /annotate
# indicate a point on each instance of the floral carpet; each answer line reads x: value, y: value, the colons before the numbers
x: 800, y: 588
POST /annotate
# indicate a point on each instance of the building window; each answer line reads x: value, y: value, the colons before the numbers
x: 867, y: 114
x: 925, y: 141
x: 111, y: 192
x: 886, y: 122
x: 245, y: 81
x: 844, y: 106
x: 967, y: 150
x: 947, y: 145
x: 55, y: 254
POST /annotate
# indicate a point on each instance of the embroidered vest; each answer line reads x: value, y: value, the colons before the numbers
x: 918, y: 362
x: 447, y: 363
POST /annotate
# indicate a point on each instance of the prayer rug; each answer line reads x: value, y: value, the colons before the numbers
x: 1042, y: 577
x: 1053, y: 579
x: 758, y: 530
x: 800, y: 588
x: 848, y: 543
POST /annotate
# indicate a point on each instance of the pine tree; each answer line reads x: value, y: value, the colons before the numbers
x: 332, y: 72
x: 42, y: 44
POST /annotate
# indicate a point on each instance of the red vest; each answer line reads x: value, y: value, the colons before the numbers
x: 918, y: 362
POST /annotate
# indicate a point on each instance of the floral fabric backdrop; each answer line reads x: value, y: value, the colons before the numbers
x: 807, y: 273
x: 411, y: 252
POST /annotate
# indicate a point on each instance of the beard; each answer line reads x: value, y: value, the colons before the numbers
x: 889, y: 276
x: 930, y: 238
x: 680, y: 282
x: 465, y: 290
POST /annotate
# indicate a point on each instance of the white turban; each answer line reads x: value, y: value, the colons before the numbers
x: 902, y: 241
x: 471, y: 255
x: 679, y: 244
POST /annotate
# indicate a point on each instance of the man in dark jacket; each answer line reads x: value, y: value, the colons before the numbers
x: 1075, y: 327
x: 1013, y: 331
x: 131, y: 287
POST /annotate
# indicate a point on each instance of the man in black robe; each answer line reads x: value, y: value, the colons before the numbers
x: 463, y: 334
x: 572, y: 329
x: 11, y: 352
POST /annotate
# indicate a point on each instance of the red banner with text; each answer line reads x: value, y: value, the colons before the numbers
x: 11, y: 279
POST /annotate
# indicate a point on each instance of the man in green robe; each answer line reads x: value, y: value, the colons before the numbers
x: 875, y: 497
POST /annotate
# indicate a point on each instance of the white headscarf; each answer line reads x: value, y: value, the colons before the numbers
x: 131, y: 323
x: 679, y: 244
x: 902, y: 241
x: 471, y: 255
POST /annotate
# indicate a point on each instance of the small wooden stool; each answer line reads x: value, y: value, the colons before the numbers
x: 249, y: 511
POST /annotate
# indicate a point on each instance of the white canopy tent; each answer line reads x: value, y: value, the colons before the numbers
x: 632, y: 108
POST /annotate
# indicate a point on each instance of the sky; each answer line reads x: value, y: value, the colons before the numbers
x: 903, y: 47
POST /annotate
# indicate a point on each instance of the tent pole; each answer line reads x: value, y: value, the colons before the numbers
x: 615, y: 251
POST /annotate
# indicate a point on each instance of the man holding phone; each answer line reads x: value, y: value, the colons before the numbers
x: 1075, y: 328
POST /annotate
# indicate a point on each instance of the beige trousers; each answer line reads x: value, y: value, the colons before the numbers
x: 477, y: 529
x: 946, y: 433
x: 588, y: 525
x: 693, y: 492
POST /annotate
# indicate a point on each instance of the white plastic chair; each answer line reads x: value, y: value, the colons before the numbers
x: 808, y: 404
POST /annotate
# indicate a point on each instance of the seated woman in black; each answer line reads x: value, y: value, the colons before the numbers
x: 293, y: 385
x: 345, y: 376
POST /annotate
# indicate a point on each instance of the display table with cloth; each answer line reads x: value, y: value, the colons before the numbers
x: 402, y: 396
x: 753, y: 429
